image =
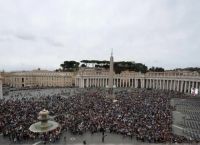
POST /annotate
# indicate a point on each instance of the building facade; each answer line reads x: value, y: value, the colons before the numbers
x: 180, y: 81
x: 39, y: 78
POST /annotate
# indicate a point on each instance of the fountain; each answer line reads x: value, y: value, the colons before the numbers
x: 44, y: 124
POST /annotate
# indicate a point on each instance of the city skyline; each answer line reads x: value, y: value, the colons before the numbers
x: 42, y: 34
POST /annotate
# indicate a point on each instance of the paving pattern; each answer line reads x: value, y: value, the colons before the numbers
x: 190, y: 117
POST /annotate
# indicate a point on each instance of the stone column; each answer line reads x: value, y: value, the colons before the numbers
x: 87, y: 83
x: 164, y: 84
x: 189, y: 87
x: 185, y: 87
x: 150, y: 80
x: 160, y: 84
x: 153, y: 81
x: 95, y: 82
x: 197, y: 85
x: 136, y: 83
x: 181, y: 87
x: 99, y: 82
x: 147, y: 83
x: 157, y: 84
x: 78, y: 82
x: 170, y: 87
x: 174, y: 88
x: 167, y: 88
x: 156, y: 81
x: 178, y: 89
x: 142, y: 83
x: 193, y: 84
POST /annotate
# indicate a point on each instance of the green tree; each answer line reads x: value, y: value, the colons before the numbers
x: 70, y: 66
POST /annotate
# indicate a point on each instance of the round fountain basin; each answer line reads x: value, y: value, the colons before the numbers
x: 39, y: 127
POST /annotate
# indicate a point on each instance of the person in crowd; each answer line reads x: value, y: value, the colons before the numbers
x: 143, y: 114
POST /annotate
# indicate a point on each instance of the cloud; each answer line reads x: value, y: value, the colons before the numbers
x: 25, y: 37
x: 44, y: 33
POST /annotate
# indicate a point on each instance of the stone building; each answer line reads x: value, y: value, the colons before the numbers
x: 39, y: 78
x: 181, y: 81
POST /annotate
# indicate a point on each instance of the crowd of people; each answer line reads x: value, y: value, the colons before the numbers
x: 138, y: 113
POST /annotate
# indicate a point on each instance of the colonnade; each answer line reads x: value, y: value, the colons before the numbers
x: 180, y: 85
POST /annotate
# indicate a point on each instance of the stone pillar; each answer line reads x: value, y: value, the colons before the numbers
x: 160, y: 84
x: 189, y: 87
x: 157, y: 84
x: 156, y: 81
x: 143, y: 83
x: 99, y: 82
x: 174, y: 87
x: 197, y: 83
x: 181, y: 89
x: 82, y: 83
x: 153, y: 81
x: 178, y: 86
x: 94, y: 82
x: 87, y: 83
x: 199, y: 86
x: 90, y: 82
x: 193, y: 84
x: 147, y: 83
x: 164, y: 84
x: 185, y: 87
x: 170, y: 88
x: 136, y: 83
x: 150, y: 83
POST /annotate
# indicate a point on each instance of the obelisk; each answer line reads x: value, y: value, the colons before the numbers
x: 110, y: 79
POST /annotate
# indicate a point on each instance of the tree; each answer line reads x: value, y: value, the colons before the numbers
x: 83, y: 65
x: 156, y: 69
x: 70, y: 66
x: 129, y: 66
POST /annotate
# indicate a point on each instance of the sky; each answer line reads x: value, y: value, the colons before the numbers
x: 44, y: 33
